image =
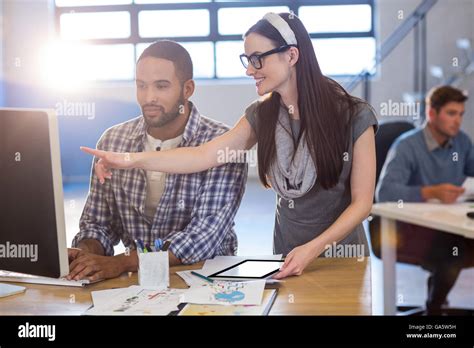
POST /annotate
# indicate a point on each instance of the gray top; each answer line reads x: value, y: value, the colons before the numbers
x: 302, y: 219
x: 295, y: 128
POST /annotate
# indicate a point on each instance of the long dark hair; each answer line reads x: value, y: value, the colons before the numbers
x: 324, y: 106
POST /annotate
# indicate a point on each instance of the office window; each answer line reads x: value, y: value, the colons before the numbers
x: 66, y: 65
x: 336, y: 19
x: 168, y: 1
x: 173, y: 23
x: 333, y: 55
x: 239, y: 20
x: 228, y: 62
x: 69, y: 3
x: 342, y: 31
x: 72, y: 25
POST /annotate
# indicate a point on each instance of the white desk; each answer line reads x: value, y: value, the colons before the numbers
x: 449, y: 218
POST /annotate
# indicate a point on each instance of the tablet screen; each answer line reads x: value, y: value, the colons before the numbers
x: 257, y: 269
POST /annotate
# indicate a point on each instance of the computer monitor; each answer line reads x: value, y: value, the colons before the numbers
x: 32, y: 225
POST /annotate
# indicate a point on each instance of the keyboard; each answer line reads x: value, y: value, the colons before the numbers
x: 7, y: 276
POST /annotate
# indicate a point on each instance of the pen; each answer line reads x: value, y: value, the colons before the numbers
x: 139, y: 245
x: 202, y: 277
x: 166, y: 245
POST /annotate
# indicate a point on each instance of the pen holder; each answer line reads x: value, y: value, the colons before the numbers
x: 153, y: 269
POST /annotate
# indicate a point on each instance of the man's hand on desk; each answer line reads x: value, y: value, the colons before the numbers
x: 446, y: 193
x: 88, y: 262
x: 86, y: 265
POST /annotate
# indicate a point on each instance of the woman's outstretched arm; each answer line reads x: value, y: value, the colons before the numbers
x: 182, y: 160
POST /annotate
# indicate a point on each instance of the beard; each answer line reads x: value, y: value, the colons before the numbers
x: 165, y: 117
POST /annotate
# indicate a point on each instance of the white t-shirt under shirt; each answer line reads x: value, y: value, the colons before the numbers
x: 155, y: 181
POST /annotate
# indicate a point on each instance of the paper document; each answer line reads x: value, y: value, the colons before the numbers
x: 468, y: 185
x: 219, y: 263
x: 262, y: 309
x: 137, y: 300
x: 191, y: 280
x: 226, y: 293
x: 103, y: 296
x: 9, y: 290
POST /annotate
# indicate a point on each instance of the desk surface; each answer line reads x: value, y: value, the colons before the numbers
x: 335, y: 286
x: 445, y: 217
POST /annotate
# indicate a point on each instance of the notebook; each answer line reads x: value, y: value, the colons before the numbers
x: 8, y: 290
x: 268, y: 299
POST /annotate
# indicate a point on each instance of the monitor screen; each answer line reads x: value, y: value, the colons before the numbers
x: 32, y: 238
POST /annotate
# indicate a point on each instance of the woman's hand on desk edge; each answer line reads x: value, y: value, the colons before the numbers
x: 107, y: 160
x: 297, y: 260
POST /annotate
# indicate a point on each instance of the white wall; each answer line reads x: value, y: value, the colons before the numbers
x: 27, y: 25
x: 447, y: 21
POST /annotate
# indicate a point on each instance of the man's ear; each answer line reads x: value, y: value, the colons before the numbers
x: 432, y: 113
x: 188, y: 88
x: 294, y: 54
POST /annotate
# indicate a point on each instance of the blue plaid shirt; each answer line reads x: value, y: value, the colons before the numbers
x: 196, y: 211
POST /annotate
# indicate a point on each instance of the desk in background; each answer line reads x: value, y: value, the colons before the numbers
x: 448, y: 218
x: 334, y: 286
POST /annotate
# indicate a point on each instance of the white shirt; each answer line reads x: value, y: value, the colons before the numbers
x: 155, y: 181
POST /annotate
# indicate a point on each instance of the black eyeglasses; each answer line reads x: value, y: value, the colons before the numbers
x: 256, y: 59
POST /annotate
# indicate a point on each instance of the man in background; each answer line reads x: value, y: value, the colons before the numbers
x: 431, y: 163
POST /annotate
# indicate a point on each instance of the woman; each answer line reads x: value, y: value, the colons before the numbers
x: 316, y: 145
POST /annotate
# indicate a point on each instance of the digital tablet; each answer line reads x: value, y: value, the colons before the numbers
x: 249, y: 269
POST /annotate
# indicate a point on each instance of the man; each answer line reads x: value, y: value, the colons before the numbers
x: 428, y: 163
x: 194, y: 212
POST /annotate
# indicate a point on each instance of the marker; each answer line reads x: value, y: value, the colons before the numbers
x: 147, y: 247
x: 202, y: 277
x: 139, y: 245
x: 158, y: 244
x: 166, y: 245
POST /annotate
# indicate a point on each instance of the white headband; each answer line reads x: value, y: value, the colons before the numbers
x: 282, y: 26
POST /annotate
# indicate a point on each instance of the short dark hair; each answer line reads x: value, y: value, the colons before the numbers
x: 439, y: 96
x: 172, y: 51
